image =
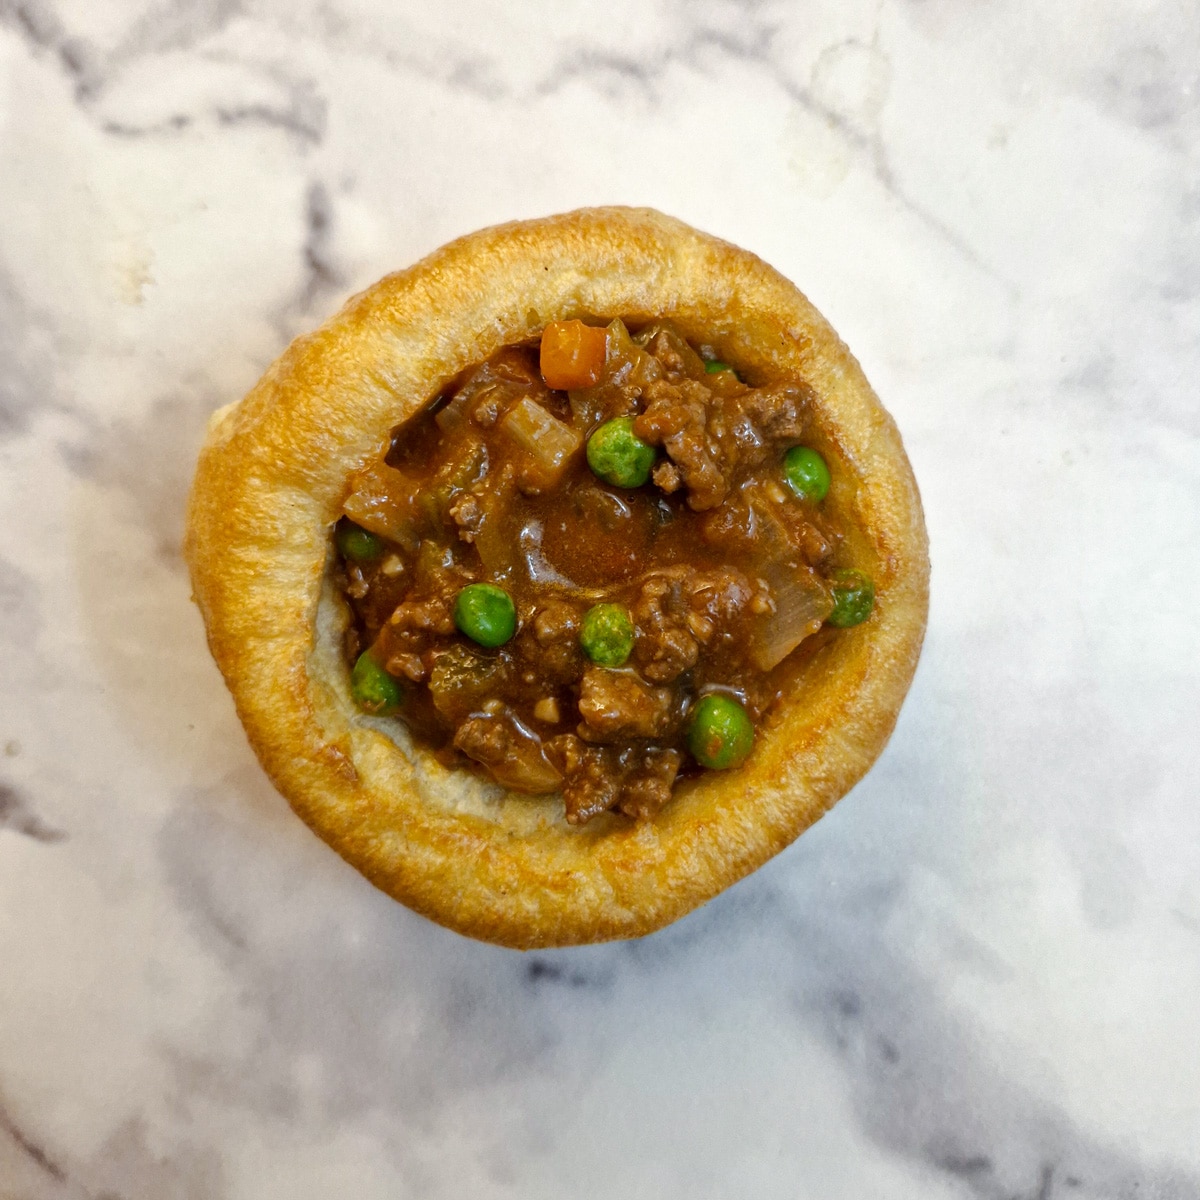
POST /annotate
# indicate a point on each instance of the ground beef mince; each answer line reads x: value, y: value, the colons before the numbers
x: 583, y: 568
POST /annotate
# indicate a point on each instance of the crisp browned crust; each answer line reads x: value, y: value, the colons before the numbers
x: 270, y: 484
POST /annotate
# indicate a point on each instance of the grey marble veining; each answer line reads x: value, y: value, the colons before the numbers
x: 979, y: 976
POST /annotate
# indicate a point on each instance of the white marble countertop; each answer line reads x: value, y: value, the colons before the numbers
x: 980, y: 975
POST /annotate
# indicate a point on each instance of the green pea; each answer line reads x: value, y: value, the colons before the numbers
x: 806, y: 473
x: 618, y: 456
x: 713, y: 366
x: 720, y: 734
x: 606, y: 634
x: 853, y: 598
x: 485, y: 613
x: 374, y: 690
x: 356, y: 543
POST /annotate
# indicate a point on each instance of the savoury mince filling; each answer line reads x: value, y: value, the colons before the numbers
x: 586, y: 567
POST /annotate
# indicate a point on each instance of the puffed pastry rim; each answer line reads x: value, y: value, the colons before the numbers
x: 270, y: 484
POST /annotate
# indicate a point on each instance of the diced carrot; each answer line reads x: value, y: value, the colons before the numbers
x: 572, y: 354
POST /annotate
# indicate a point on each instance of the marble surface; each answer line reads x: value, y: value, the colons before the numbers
x: 979, y: 977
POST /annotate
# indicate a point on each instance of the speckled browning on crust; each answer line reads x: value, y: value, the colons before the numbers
x: 270, y: 485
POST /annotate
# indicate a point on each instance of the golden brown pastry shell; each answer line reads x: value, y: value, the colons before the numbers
x: 270, y: 484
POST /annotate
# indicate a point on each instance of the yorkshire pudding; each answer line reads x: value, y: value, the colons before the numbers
x: 281, y: 584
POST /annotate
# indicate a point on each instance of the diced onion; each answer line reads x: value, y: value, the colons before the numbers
x: 802, y: 602
x: 549, y: 442
x: 462, y: 680
x: 495, y: 538
x: 382, y: 500
x: 512, y: 753
x: 802, y: 599
x: 627, y: 362
x: 454, y: 415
